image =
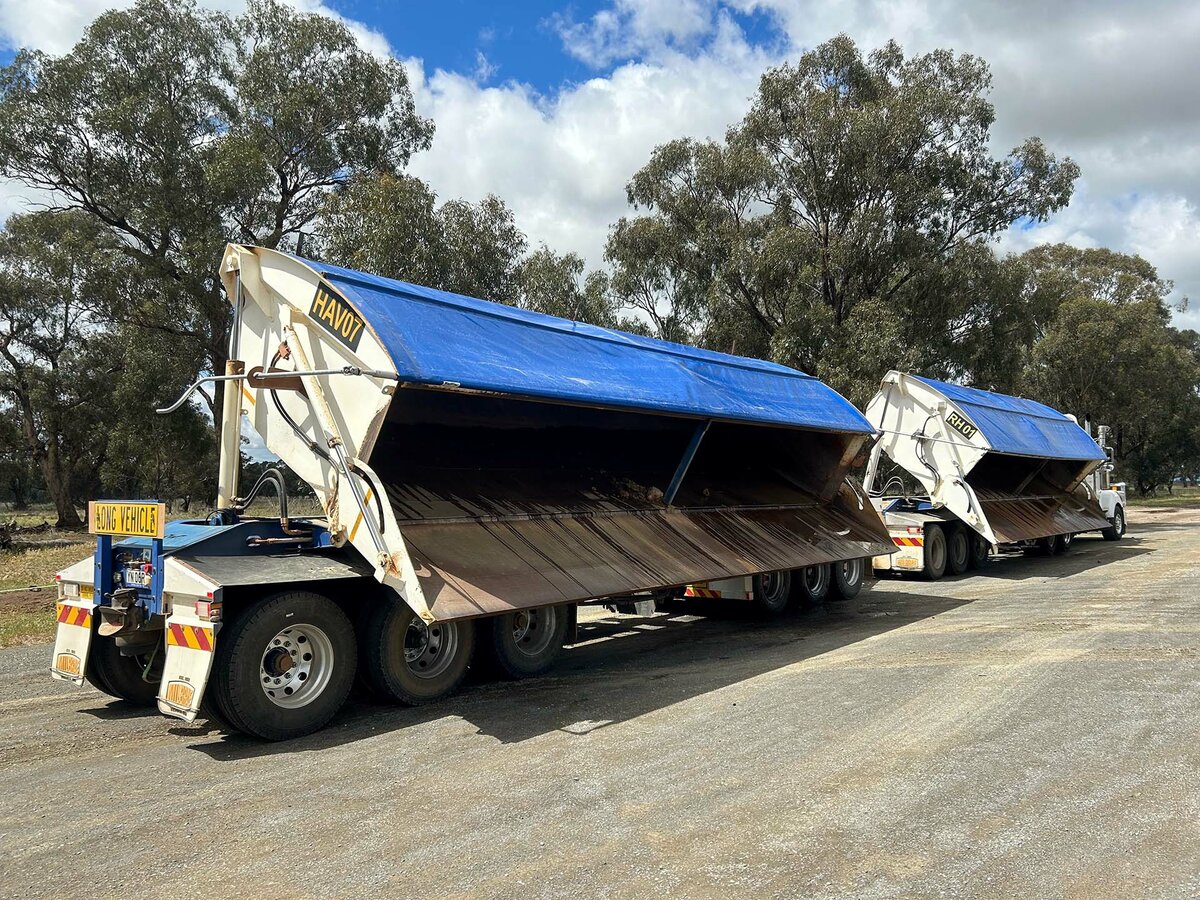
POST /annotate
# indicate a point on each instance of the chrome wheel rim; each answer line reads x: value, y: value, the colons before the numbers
x: 533, y: 629
x: 296, y: 666
x: 429, y: 650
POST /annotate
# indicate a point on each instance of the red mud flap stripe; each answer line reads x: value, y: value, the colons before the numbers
x: 190, y: 636
x: 693, y: 591
x: 908, y: 542
x: 74, y: 615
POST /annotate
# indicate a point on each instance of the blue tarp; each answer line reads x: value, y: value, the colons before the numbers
x: 1019, y: 426
x: 435, y: 338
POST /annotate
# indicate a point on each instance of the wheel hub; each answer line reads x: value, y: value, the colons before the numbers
x: 430, y: 649
x: 296, y: 665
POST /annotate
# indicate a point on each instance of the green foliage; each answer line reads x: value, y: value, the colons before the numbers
x: 175, y: 129
x: 393, y: 226
x: 856, y: 191
x: 1106, y: 350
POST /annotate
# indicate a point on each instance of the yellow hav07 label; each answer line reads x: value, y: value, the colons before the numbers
x: 337, y: 317
x: 127, y: 519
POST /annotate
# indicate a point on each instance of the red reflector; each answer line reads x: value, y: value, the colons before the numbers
x: 209, y: 595
x: 147, y: 568
x: 915, y: 529
x: 203, y: 609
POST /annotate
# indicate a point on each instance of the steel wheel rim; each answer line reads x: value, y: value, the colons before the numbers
x: 937, y: 553
x: 960, y: 538
x: 533, y: 630
x: 429, y: 650
x: 814, y: 579
x: 852, y: 570
x: 296, y: 666
x: 1120, y: 521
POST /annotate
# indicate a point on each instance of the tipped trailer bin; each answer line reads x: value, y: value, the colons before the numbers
x: 480, y: 468
x: 994, y: 470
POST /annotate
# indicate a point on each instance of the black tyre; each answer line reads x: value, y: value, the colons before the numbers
x: 1116, y: 530
x: 1063, y: 542
x: 958, y: 550
x: 935, y: 553
x: 773, y: 592
x: 411, y: 662
x: 1047, y: 546
x: 849, y: 576
x: 980, y: 548
x: 525, y: 642
x: 120, y: 676
x: 811, y: 584
x: 284, y: 666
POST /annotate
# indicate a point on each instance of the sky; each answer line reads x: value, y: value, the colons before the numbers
x: 553, y: 105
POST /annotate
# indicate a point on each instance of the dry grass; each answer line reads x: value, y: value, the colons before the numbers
x: 22, y: 627
x: 1180, y: 498
x: 35, y: 566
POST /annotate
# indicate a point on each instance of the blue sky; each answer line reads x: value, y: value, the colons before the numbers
x: 521, y: 40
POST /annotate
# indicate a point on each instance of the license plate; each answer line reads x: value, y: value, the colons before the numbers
x: 137, y: 578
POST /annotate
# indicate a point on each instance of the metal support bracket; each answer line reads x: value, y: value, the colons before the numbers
x: 688, y: 455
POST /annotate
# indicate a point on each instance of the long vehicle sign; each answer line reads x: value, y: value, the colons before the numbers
x: 127, y: 519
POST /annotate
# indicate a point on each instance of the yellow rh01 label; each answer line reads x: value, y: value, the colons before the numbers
x: 961, y: 425
x: 337, y: 317
x: 127, y: 519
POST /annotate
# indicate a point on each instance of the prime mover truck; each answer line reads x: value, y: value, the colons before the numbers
x: 480, y: 471
x: 990, y: 470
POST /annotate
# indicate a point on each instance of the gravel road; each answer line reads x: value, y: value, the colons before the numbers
x: 1033, y: 731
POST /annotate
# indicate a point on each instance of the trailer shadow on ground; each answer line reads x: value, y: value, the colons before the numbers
x: 1087, y: 553
x: 622, y: 668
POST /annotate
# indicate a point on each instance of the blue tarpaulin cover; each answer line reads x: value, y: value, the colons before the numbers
x: 435, y: 337
x: 1019, y: 426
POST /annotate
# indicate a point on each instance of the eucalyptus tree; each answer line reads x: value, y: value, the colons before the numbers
x: 176, y: 128
x: 837, y: 226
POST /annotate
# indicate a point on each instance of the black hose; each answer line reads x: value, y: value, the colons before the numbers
x: 314, y: 446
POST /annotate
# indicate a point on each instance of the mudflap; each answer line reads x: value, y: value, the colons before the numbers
x: 909, y: 556
x: 191, y: 643
x: 73, y: 639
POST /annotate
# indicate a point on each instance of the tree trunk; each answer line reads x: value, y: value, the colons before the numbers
x: 58, y: 487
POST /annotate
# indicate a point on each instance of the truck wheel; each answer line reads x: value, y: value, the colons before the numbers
x: 848, y: 578
x: 1046, y: 546
x: 958, y: 550
x: 524, y: 642
x: 812, y: 584
x: 411, y: 662
x: 935, y: 553
x: 979, y: 551
x: 1116, y: 531
x: 1062, y: 542
x: 284, y: 666
x: 772, y: 592
x: 120, y: 676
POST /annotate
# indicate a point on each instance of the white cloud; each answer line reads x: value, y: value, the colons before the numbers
x: 635, y: 27
x: 55, y: 25
x: 562, y: 162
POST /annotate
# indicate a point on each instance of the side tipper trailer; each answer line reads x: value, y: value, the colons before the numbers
x: 481, y: 469
x: 992, y: 470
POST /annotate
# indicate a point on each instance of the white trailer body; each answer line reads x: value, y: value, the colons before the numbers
x: 994, y: 470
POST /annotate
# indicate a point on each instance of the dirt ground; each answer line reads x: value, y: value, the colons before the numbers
x: 1033, y: 731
